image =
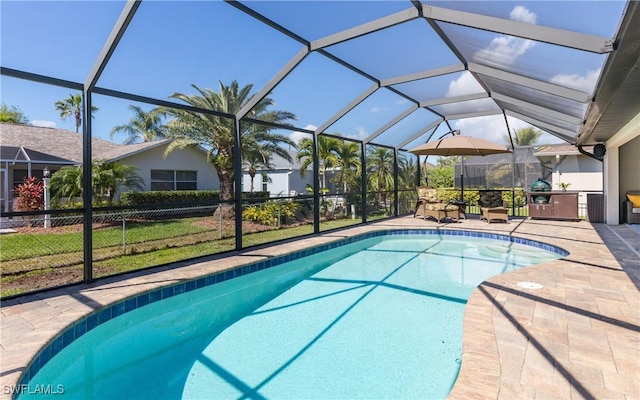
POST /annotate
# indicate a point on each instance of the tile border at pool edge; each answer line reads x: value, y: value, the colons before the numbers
x: 85, y: 324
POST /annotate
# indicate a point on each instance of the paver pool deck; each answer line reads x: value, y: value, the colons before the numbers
x: 576, y: 337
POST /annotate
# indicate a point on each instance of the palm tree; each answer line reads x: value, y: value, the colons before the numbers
x: 142, y: 127
x: 380, y: 171
x: 407, y: 171
x: 525, y: 136
x: 108, y: 177
x: 255, y: 159
x: 327, y: 147
x: 348, y: 159
x: 66, y: 183
x: 407, y: 176
x: 72, y: 105
x: 216, y: 133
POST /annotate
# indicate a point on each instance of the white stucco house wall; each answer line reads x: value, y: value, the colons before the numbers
x: 584, y: 174
x: 580, y: 171
x: 282, y: 180
x: 181, y: 169
x: 27, y: 150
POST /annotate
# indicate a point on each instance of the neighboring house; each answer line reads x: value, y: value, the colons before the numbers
x: 583, y: 173
x: 569, y: 166
x: 555, y: 163
x: 282, y: 180
x: 26, y: 150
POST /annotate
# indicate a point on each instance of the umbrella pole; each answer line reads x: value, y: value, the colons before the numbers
x: 462, y: 178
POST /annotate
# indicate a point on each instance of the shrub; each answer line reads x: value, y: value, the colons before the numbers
x: 29, y: 195
x: 267, y: 213
x: 260, y: 214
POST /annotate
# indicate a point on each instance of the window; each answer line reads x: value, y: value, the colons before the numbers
x: 20, y: 174
x: 265, y: 180
x: 174, y: 180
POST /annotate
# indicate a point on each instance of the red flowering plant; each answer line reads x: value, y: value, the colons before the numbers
x: 29, y: 194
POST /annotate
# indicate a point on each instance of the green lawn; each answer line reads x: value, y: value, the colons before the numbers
x: 33, y: 259
x: 28, y: 245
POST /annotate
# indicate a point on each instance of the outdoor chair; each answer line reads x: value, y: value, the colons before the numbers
x: 631, y: 208
x: 492, y: 206
x: 429, y: 205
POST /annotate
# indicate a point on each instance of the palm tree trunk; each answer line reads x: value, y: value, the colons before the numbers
x: 78, y: 120
x: 226, y: 185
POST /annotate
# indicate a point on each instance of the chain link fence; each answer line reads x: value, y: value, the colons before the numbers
x: 47, y: 250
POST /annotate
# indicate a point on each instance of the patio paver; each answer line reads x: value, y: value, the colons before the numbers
x: 576, y: 337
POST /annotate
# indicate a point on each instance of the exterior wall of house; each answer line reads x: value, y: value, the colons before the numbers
x: 621, y: 166
x: 629, y: 168
x: 281, y: 182
x: 582, y: 172
x: 298, y: 183
x: 179, y: 160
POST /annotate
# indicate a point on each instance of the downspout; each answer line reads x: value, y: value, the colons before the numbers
x: 586, y: 153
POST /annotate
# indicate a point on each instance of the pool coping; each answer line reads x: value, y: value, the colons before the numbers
x: 74, y: 304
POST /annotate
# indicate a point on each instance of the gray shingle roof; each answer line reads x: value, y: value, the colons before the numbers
x: 560, y: 149
x: 66, y: 144
x: 19, y: 153
x: 129, y: 149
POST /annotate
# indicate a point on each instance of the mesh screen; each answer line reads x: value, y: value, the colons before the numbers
x: 502, y: 170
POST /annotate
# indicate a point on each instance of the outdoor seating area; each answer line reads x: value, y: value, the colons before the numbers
x: 429, y: 205
x: 631, y: 208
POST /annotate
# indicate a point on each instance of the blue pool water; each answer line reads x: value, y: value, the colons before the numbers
x: 379, y: 317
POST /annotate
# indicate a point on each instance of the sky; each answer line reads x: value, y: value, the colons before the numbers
x: 172, y: 45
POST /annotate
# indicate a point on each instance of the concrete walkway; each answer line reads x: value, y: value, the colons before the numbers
x: 576, y: 337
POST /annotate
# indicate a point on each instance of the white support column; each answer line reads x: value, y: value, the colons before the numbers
x: 47, y: 200
x: 611, y: 172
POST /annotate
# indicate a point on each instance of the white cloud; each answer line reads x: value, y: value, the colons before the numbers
x: 465, y: 84
x: 375, y: 109
x: 491, y: 127
x: 296, y: 136
x: 504, y: 50
x: 583, y: 83
x: 362, y: 133
x: 522, y: 14
x: 43, y: 123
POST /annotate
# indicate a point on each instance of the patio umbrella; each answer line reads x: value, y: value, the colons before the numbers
x: 458, y: 145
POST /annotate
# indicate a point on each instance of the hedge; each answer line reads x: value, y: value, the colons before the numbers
x: 169, y: 196
x: 180, y: 196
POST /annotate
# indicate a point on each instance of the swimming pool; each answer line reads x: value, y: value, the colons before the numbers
x: 378, y: 315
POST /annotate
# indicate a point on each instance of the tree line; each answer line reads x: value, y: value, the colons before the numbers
x: 259, y: 143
